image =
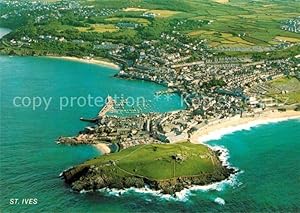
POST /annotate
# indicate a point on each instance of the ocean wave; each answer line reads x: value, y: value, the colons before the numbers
x: 83, y: 191
x: 218, y: 134
x: 184, y: 194
x: 220, y: 201
x: 145, y: 190
x: 232, y: 181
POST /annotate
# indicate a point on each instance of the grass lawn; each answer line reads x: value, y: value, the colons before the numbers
x: 232, y: 23
x: 163, y: 13
x: 289, y: 39
x: 255, y: 21
x: 100, y: 28
x: 156, y: 161
x: 142, y: 21
x: 291, y: 85
x: 50, y: 1
x: 221, y: 39
x: 133, y: 9
x: 222, y: 1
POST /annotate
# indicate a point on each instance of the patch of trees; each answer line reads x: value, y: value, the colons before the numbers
x: 154, y: 30
x: 185, y: 25
x: 213, y: 83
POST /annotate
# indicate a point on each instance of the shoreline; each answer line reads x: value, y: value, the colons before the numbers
x: 94, y: 175
x: 103, y: 148
x: 221, y: 127
x: 181, y: 196
x: 86, y: 60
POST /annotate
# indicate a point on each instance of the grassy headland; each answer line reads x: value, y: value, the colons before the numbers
x: 182, y: 43
x: 166, y: 167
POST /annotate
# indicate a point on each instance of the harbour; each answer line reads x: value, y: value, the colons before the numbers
x: 34, y: 149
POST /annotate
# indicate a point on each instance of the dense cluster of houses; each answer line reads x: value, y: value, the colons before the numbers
x: 210, y: 89
x: 44, y: 11
x: 292, y: 25
x: 282, y: 45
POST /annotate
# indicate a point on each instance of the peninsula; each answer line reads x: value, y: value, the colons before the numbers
x: 221, y: 71
x: 168, y: 168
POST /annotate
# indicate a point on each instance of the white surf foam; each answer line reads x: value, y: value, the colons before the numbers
x: 218, y: 134
x: 184, y: 194
x: 83, y: 191
x: 232, y: 181
x: 220, y: 201
x: 145, y: 190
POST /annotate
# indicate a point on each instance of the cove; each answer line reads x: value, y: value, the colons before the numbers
x: 267, y: 155
x: 30, y: 159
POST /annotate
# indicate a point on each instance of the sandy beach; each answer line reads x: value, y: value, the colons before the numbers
x: 103, y: 148
x: 225, y: 126
x: 89, y: 61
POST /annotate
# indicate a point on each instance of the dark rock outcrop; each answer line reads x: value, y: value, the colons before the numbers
x: 98, y: 177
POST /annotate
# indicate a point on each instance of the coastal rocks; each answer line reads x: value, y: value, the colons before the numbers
x: 66, y: 140
x: 92, y: 178
x: 126, y: 132
x: 82, y: 138
x: 76, y: 140
x: 74, y: 173
x: 165, y: 168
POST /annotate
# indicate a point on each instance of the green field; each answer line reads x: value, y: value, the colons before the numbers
x: 141, y: 21
x: 168, y: 168
x: 223, y: 24
x: 156, y: 161
x: 258, y: 21
x: 98, y: 28
x: 286, y: 90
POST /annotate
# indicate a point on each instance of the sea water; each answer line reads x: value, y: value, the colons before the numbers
x: 267, y: 156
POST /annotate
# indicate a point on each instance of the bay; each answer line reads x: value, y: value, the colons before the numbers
x: 267, y: 155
